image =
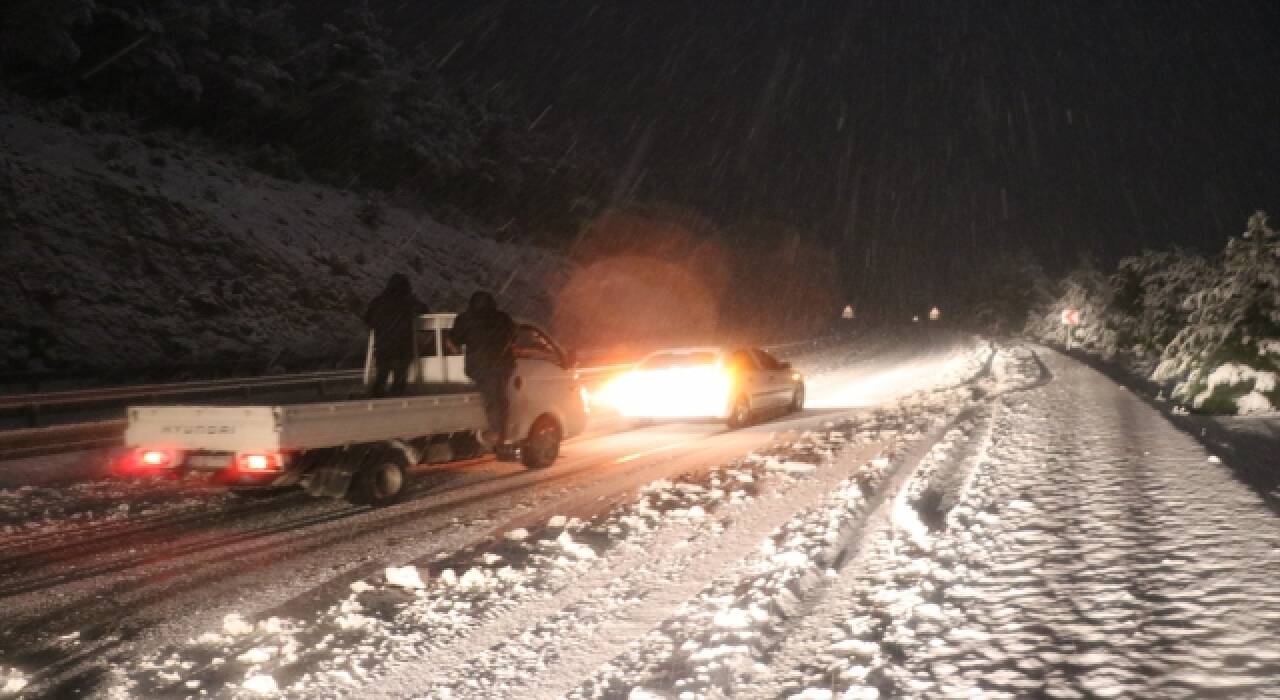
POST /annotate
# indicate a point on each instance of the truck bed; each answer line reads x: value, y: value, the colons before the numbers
x: 307, y: 425
x: 333, y: 393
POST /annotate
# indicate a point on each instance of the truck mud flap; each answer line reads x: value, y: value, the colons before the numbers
x: 330, y: 480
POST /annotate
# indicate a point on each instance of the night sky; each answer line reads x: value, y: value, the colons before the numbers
x: 914, y: 139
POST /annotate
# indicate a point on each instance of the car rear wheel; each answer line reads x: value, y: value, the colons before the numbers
x: 797, y: 399
x: 740, y: 413
x: 542, y: 445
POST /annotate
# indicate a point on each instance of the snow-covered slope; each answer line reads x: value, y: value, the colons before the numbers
x: 148, y: 251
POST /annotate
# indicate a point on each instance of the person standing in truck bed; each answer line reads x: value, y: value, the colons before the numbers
x: 392, y: 316
x: 489, y: 336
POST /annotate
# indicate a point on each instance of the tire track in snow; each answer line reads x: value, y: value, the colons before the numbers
x: 713, y: 647
x: 715, y: 639
x: 826, y: 627
x: 606, y: 611
x: 206, y: 565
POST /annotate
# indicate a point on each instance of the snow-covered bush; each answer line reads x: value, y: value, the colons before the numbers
x: 1224, y: 358
x: 1089, y: 291
x: 998, y: 295
x: 1210, y: 330
x: 1148, y: 304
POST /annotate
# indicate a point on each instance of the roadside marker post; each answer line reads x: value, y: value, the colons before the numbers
x: 1070, y: 319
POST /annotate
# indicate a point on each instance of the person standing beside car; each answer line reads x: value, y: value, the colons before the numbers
x: 488, y: 335
x: 392, y: 317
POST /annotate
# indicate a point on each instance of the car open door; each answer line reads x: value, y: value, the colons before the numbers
x: 542, y: 371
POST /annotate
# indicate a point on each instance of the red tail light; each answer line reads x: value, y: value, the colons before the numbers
x: 156, y: 459
x: 144, y: 460
x: 260, y: 461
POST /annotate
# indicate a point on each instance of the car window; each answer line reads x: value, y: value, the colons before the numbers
x: 426, y: 341
x: 674, y: 360
x: 533, y: 344
x: 767, y: 361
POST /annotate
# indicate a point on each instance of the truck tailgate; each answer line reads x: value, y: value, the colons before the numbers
x: 216, y: 428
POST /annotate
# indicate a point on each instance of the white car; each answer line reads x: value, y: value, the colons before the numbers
x: 730, y: 384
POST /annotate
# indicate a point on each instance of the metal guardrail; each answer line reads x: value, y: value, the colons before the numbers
x: 37, y: 442
x: 34, y: 405
x: 146, y: 390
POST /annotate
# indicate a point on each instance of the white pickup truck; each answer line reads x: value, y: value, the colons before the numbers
x: 361, y: 449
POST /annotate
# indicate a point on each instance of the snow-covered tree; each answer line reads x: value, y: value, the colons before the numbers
x: 1001, y: 291
x: 40, y: 34
x: 1148, y: 305
x: 1088, y: 290
x: 339, y: 103
x: 1228, y: 354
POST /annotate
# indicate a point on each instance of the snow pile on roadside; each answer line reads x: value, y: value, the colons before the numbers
x: 1232, y: 375
x: 12, y: 681
x: 403, y: 576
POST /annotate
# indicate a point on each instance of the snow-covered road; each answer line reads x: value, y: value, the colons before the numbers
x: 1089, y: 550
x: 955, y: 521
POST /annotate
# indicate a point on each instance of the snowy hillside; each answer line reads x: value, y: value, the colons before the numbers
x: 145, y: 251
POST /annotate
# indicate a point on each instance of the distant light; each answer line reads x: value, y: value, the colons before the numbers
x: 915, y: 319
x: 847, y: 313
x: 934, y: 314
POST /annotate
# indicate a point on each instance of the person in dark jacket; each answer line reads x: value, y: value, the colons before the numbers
x: 489, y: 336
x: 391, y: 317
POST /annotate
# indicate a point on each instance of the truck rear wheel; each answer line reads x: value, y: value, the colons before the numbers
x: 542, y: 445
x: 380, y: 482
